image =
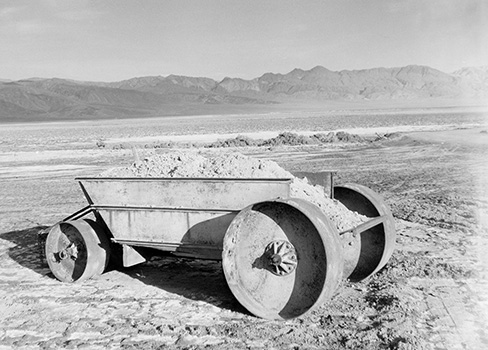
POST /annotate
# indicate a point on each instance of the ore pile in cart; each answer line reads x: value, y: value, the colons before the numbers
x: 281, y: 256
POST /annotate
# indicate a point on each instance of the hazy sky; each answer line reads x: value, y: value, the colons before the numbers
x: 118, y: 39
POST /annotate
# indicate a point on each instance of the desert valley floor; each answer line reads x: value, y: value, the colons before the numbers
x: 430, y: 166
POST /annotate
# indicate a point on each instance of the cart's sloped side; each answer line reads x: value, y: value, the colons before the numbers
x: 185, y: 216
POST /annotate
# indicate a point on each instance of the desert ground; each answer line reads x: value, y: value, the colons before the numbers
x: 429, y: 165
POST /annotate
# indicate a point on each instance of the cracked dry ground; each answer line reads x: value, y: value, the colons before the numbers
x: 431, y: 295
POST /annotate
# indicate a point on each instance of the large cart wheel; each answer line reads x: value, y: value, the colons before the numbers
x: 282, y: 258
x: 367, y: 252
x: 77, y: 250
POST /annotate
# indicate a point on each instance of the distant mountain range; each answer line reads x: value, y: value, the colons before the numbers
x: 55, y: 99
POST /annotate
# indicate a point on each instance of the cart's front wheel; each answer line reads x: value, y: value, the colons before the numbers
x: 77, y: 250
x: 282, y: 258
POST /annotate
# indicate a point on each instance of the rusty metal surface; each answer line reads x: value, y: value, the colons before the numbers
x: 248, y: 266
x: 368, y: 247
x: 189, y: 193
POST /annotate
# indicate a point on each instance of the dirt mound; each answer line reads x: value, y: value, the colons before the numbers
x: 292, y: 139
x: 236, y: 165
x: 288, y: 139
x: 238, y: 141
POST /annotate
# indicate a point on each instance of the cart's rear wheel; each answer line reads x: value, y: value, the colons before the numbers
x: 77, y: 250
x: 368, y: 253
x: 282, y: 258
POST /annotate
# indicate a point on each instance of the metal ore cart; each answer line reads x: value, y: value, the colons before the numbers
x: 281, y: 256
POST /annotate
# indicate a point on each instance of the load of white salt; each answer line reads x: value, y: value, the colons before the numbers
x: 236, y: 165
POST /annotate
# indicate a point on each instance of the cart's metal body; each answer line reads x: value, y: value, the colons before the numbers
x: 185, y: 216
x: 281, y: 256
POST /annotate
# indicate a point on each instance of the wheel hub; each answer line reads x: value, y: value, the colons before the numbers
x: 282, y: 257
x: 71, y: 251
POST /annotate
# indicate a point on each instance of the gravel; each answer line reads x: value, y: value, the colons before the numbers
x: 235, y: 165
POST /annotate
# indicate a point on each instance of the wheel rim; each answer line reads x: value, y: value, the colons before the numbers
x: 76, y: 250
x: 371, y: 250
x: 281, y: 259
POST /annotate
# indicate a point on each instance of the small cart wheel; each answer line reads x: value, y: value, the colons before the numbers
x: 77, y: 250
x: 374, y: 247
x: 282, y: 258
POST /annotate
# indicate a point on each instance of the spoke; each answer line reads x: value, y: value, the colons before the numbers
x: 282, y: 257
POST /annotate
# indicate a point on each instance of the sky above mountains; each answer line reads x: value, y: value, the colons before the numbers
x: 118, y: 39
